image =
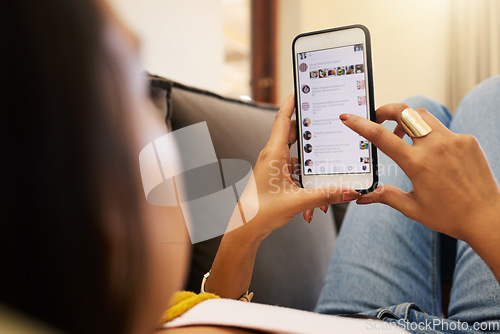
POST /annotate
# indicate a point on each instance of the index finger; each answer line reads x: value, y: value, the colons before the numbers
x: 385, y: 140
x: 281, y: 125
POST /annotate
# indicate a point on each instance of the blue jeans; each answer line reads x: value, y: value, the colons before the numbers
x: 387, y: 265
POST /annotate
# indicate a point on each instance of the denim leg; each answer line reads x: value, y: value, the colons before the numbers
x: 382, y: 258
x: 475, y: 295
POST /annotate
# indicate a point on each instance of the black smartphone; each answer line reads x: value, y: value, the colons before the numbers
x: 333, y: 75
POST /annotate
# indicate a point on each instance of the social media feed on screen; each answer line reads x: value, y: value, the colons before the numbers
x: 332, y: 82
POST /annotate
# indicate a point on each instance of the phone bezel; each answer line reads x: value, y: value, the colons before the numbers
x: 324, y: 39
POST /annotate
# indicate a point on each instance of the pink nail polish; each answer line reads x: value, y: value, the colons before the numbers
x: 325, y: 210
x: 310, y: 217
x: 349, y: 195
x: 344, y: 117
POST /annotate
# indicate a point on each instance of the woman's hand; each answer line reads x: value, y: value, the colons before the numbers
x: 271, y: 198
x: 278, y: 196
x: 454, y: 190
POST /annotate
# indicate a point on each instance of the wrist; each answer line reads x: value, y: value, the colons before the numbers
x: 484, y: 234
x: 245, y: 235
x: 245, y: 232
x: 485, y: 223
x: 233, y: 265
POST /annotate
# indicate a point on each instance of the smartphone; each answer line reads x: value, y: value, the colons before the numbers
x: 333, y: 75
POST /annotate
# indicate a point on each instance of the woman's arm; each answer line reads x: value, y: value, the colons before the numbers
x: 454, y: 190
x: 484, y: 238
x: 271, y: 198
x: 233, y: 265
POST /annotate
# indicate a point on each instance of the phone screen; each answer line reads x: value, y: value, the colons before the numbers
x: 332, y: 82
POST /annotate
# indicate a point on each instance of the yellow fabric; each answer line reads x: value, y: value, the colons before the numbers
x: 183, y: 301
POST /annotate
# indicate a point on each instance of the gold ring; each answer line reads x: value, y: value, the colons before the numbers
x: 413, y: 124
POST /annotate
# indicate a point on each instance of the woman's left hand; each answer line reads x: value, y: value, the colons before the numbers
x: 271, y: 198
x: 278, y: 195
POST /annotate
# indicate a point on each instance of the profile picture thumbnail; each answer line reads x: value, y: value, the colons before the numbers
x: 305, y: 89
x: 307, y: 135
x: 360, y: 68
x: 308, y: 148
x: 323, y: 73
x: 309, y: 162
x: 361, y: 100
x: 305, y: 106
x: 303, y: 67
x: 332, y: 72
x: 363, y: 145
x: 365, y: 160
x: 306, y: 122
x: 341, y: 70
x: 313, y: 74
x: 358, y: 47
x: 360, y: 84
x: 349, y: 70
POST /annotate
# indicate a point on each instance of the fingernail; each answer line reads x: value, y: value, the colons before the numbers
x: 324, y: 209
x: 344, y: 117
x: 310, y: 217
x: 364, y: 200
x: 349, y: 195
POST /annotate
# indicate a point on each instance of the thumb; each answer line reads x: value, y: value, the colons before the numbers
x: 392, y: 196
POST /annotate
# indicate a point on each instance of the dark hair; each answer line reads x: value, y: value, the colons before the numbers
x: 72, y: 250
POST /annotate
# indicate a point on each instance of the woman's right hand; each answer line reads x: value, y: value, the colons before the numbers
x: 454, y: 190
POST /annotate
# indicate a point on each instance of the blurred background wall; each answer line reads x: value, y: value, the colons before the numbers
x: 440, y: 48
x: 182, y: 40
x: 410, y: 42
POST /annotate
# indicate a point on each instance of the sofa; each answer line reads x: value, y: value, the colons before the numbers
x: 292, y: 262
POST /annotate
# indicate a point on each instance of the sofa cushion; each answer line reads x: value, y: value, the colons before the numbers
x: 292, y: 262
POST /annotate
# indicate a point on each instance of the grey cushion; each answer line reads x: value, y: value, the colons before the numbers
x: 291, y: 263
